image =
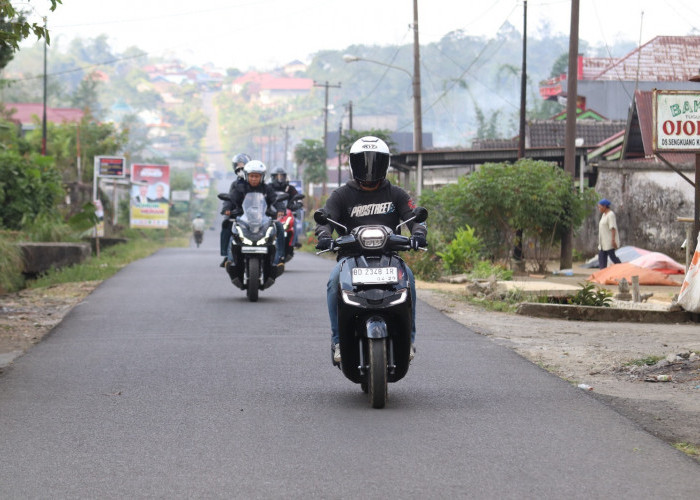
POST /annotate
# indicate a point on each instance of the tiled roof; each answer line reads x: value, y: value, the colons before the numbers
x: 25, y: 111
x: 664, y: 58
x: 548, y: 133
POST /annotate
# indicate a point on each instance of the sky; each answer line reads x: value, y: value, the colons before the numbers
x: 269, y: 33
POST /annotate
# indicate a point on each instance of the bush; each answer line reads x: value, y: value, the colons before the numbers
x: 29, y: 186
x: 426, y: 266
x: 484, y: 269
x: 590, y: 296
x: 11, y: 278
x: 462, y: 252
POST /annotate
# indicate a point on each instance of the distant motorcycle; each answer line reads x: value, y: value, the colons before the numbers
x: 374, y: 304
x: 288, y: 220
x: 198, y: 237
x: 251, y: 249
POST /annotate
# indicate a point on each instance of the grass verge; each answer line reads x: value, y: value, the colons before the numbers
x: 689, y: 449
x: 111, y: 260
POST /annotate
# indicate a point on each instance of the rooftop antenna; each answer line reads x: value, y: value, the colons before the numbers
x: 639, y: 52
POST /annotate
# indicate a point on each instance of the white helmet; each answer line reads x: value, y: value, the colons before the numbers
x: 255, y: 166
x: 369, y: 160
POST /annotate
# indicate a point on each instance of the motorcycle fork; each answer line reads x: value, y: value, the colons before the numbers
x: 391, y: 365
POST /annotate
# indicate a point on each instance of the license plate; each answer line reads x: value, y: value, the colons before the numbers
x: 374, y: 275
x: 253, y: 249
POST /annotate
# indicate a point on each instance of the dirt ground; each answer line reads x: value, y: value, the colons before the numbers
x: 595, y: 354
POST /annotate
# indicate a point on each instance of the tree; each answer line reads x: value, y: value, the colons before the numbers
x: 499, y: 198
x: 310, y: 155
x: 30, y: 188
x: 16, y: 28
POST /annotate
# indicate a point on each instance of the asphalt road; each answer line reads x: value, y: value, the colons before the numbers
x: 166, y: 382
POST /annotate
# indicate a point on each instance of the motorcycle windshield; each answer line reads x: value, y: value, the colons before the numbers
x: 254, y: 208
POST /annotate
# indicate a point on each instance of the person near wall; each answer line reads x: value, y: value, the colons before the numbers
x: 608, y: 235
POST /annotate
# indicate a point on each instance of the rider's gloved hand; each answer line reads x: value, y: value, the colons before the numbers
x: 417, y: 242
x: 324, y: 243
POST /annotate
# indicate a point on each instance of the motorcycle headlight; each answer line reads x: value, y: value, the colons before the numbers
x: 372, y: 238
x: 269, y: 234
x: 403, y: 295
x: 350, y: 298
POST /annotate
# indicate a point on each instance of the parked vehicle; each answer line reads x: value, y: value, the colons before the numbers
x: 374, y: 305
x: 252, y: 247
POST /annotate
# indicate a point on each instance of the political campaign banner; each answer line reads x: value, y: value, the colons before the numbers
x: 150, y: 196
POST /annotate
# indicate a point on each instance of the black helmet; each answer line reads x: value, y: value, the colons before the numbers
x: 279, y: 178
x: 369, y: 160
x: 239, y: 158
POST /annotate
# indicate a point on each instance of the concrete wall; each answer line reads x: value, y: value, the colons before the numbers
x: 646, y: 198
x: 40, y: 257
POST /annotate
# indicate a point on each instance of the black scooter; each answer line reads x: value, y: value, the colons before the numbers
x: 374, y: 305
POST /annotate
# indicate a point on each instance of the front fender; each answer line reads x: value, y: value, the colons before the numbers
x: 376, y: 328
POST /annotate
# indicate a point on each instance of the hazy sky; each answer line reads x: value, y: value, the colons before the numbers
x: 265, y: 33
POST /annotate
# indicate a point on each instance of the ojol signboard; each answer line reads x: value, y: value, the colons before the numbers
x: 676, y: 121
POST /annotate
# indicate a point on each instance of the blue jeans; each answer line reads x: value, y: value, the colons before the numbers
x: 225, y: 237
x: 332, y: 298
x: 603, y: 258
x: 279, y: 244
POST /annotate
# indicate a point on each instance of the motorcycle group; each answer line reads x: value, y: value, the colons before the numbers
x: 371, y: 291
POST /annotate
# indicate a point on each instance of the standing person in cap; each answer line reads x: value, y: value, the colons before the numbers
x: 608, y: 235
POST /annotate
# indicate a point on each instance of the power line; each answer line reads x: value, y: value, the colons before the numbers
x: 81, y: 68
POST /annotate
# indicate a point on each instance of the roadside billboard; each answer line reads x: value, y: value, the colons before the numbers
x: 150, y: 196
x: 200, y: 183
x: 676, y: 121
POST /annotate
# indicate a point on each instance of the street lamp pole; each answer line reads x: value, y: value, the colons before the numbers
x: 417, y: 109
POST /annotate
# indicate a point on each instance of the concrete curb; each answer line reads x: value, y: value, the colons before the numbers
x: 608, y: 314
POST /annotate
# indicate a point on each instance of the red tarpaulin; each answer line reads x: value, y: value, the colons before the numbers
x: 612, y: 275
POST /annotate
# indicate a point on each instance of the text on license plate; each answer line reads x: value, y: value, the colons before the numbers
x: 367, y: 275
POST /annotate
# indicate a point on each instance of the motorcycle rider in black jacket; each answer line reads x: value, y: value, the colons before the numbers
x: 254, y: 172
x: 368, y: 199
x: 238, y: 162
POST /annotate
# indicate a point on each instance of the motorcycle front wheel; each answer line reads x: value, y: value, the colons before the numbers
x: 377, y: 373
x: 253, y: 279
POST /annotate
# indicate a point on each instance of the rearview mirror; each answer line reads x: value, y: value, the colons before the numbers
x: 421, y: 214
x: 223, y: 196
x: 321, y: 217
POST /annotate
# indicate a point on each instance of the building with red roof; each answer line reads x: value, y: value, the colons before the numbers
x: 608, y: 84
x: 28, y: 113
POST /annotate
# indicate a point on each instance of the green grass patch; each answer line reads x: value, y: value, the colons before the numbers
x: 648, y: 361
x: 689, y: 449
x: 111, y: 260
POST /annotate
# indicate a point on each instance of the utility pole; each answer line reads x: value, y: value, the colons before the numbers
x: 325, y: 123
x: 417, y: 113
x: 43, y: 119
x: 518, y: 248
x: 340, y: 153
x: 523, y: 86
x: 567, y: 241
x: 349, y: 108
x: 286, y: 143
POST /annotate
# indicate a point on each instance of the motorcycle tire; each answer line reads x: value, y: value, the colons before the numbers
x: 253, y: 279
x: 377, y: 373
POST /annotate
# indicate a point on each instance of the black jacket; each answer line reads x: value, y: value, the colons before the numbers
x: 240, y: 189
x: 291, y: 191
x: 388, y: 205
